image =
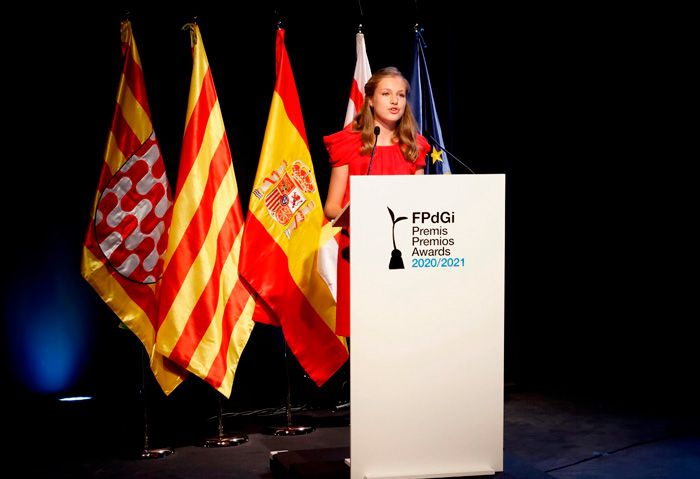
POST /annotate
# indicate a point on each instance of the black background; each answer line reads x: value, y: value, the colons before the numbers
x: 583, y: 110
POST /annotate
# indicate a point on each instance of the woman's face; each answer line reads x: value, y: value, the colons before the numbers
x: 389, y: 100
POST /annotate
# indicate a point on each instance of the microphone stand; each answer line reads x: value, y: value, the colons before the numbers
x: 453, y: 156
x: 374, y: 147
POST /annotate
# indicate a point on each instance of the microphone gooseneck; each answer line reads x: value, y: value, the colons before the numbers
x: 374, y: 147
x: 453, y: 156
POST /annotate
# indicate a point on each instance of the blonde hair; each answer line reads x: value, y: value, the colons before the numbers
x: 407, y: 127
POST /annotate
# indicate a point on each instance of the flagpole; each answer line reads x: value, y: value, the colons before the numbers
x: 221, y: 440
x: 147, y: 452
x: 288, y: 430
x: 362, y: 17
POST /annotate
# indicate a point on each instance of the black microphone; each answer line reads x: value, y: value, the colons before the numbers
x: 453, y: 156
x: 376, y: 137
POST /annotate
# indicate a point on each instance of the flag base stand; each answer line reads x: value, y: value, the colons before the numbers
x: 156, y: 453
x: 288, y: 430
x: 225, y: 441
x: 222, y: 440
x: 147, y: 452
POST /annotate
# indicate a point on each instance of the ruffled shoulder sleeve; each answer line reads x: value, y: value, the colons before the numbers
x: 423, y: 149
x: 343, y: 146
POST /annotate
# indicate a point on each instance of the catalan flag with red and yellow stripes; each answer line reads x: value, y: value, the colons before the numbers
x: 205, y: 315
x: 283, y: 233
x: 122, y: 252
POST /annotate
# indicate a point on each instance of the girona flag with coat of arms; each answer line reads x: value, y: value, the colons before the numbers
x: 128, y: 231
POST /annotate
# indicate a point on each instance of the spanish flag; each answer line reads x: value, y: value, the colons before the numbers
x: 205, y: 312
x: 283, y: 233
x: 129, y: 228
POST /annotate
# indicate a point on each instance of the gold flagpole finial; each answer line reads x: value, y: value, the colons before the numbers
x: 193, y: 33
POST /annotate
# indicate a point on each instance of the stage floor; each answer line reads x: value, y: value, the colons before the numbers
x: 545, y: 436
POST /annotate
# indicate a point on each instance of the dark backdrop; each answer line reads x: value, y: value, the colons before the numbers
x: 574, y: 106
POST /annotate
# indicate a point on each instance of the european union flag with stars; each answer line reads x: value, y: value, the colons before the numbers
x: 423, y: 106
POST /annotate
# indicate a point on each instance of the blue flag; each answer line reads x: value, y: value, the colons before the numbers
x: 423, y: 106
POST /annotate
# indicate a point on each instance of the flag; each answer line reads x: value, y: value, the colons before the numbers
x: 205, y: 312
x: 129, y: 229
x: 283, y: 231
x: 423, y: 106
x: 328, y: 252
x: 359, y: 79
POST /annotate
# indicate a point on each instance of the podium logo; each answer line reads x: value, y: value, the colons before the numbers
x: 396, y: 262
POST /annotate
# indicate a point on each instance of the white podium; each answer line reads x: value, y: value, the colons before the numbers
x: 426, y: 362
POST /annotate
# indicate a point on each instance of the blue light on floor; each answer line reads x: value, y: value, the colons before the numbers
x: 48, y: 327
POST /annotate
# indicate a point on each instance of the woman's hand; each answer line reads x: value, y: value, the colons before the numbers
x: 336, y: 191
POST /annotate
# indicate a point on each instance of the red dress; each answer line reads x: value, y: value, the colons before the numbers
x: 344, y: 149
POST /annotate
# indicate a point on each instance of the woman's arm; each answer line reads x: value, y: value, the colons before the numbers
x: 336, y: 191
x: 419, y: 171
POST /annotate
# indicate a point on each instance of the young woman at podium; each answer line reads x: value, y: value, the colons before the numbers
x: 382, y: 140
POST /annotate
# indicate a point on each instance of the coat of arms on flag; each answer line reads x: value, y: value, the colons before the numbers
x: 284, y: 193
x: 130, y: 223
